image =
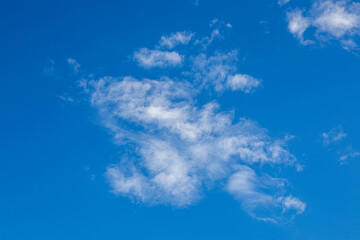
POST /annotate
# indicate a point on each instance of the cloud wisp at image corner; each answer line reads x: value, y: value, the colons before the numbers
x: 179, y: 149
x: 326, y: 21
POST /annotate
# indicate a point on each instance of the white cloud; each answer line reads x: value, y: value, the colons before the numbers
x: 259, y: 193
x: 292, y: 203
x: 217, y: 33
x: 336, y: 18
x: 220, y: 71
x: 206, y: 41
x: 330, y: 20
x: 131, y: 183
x: 156, y: 58
x: 245, y: 184
x: 66, y: 98
x: 283, y: 2
x: 349, y: 153
x: 332, y: 139
x: 175, y: 39
x: 214, y: 70
x: 348, y: 44
x: 298, y: 25
x: 192, y: 148
x: 333, y: 136
x: 242, y: 82
x: 214, y: 21
x: 180, y: 149
x: 74, y: 65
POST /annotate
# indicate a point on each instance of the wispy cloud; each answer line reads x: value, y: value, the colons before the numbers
x: 220, y: 71
x: 292, y: 203
x: 335, y: 19
x: 242, y: 82
x: 283, y: 2
x: 66, y: 98
x: 218, y: 27
x: 329, y: 20
x: 179, y: 150
x: 347, y: 154
x: 74, y: 65
x: 298, y: 24
x: 253, y: 191
x: 155, y: 58
x: 333, y: 136
x: 192, y: 148
x: 175, y: 39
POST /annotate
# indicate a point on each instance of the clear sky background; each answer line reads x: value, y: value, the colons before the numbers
x: 88, y: 153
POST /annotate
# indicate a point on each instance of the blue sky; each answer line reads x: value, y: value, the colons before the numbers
x: 180, y: 119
